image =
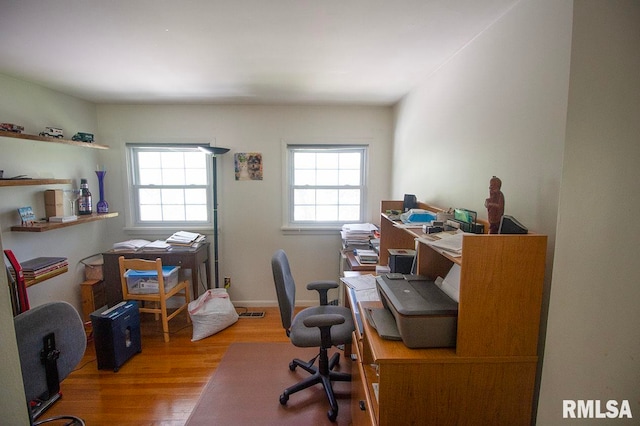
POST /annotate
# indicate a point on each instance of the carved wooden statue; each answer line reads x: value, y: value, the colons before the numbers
x: 494, y: 204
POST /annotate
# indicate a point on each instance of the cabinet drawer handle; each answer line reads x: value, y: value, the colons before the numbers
x: 362, y: 405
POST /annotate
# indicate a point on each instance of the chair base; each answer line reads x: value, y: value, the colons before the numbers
x: 321, y: 374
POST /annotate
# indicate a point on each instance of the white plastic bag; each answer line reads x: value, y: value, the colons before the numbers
x: 211, y: 313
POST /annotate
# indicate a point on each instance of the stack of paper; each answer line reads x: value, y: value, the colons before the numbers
x: 357, y: 235
x: 185, y: 239
x: 130, y: 245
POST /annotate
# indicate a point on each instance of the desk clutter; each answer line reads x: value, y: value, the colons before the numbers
x: 179, y: 240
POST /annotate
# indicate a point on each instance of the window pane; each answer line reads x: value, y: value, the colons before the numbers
x: 304, y: 213
x: 304, y: 196
x: 172, y: 160
x: 148, y: 160
x: 349, y: 213
x: 195, y: 176
x: 149, y: 196
x: 172, y: 196
x: 173, y: 177
x: 195, y: 196
x: 327, y: 177
x: 173, y: 213
x: 327, y: 213
x: 350, y: 160
x: 196, y: 213
x: 150, y: 176
x: 349, y: 177
x: 150, y: 212
x: 327, y: 196
x: 328, y: 160
x: 350, y: 196
x: 305, y: 160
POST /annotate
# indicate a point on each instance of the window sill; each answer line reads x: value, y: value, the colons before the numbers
x: 315, y: 230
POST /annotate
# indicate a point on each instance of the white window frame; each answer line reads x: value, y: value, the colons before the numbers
x: 289, y: 224
x: 134, y: 223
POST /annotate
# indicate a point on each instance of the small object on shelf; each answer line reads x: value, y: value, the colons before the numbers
x: 53, y: 203
x: 102, y: 206
x: 26, y: 215
x: 84, y: 203
x: 52, y: 132
x: 83, y: 137
x: 494, y: 204
x: 9, y: 127
x: 62, y: 219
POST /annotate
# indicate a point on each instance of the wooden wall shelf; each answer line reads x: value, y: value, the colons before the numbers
x: 53, y: 140
x: 49, y: 226
x: 25, y: 182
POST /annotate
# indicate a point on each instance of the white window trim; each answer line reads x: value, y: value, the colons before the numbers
x: 131, y: 225
x: 297, y: 229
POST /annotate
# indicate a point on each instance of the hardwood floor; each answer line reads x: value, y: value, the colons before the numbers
x: 161, y: 385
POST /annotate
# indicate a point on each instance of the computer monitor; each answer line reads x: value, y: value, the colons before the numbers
x: 509, y: 225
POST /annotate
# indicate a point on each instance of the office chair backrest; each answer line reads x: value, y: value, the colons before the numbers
x: 285, y: 287
x: 32, y: 326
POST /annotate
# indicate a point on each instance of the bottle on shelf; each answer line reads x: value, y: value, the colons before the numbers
x: 84, y: 203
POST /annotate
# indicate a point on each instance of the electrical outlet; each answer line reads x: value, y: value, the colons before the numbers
x: 227, y: 282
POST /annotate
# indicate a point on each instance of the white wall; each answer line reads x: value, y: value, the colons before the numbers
x: 250, y: 212
x: 34, y: 108
x: 500, y: 107
x: 593, y: 344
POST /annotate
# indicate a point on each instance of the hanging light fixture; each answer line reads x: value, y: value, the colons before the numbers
x: 215, y: 151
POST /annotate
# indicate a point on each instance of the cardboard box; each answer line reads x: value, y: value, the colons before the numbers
x: 53, y: 202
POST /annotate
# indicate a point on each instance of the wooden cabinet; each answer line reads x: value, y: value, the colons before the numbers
x: 489, y: 377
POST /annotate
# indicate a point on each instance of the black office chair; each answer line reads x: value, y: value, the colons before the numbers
x: 322, y: 326
x: 51, y: 342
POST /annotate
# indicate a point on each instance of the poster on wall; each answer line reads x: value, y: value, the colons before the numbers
x: 248, y: 165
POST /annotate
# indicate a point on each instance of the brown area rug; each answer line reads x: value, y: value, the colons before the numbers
x: 246, y: 386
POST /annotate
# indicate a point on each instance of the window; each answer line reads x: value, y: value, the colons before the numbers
x: 170, y: 186
x: 326, y: 184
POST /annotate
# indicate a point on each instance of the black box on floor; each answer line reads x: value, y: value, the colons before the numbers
x: 401, y: 260
x: 116, y: 334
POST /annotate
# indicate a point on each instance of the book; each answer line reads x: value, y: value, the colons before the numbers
x: 134, y: 244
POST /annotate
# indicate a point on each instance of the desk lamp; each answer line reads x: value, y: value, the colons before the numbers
x: 215, y: 151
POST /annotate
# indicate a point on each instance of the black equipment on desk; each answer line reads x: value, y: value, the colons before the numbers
x: 116, y: 333
x: 509, y: 225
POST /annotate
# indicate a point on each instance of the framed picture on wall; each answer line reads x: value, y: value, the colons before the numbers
x: 248, y: 165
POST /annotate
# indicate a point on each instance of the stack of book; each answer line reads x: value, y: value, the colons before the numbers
x: 185, y: 239
x: 42, y: 267
x: 366, y: 256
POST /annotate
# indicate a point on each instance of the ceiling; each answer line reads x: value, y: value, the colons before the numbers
x: 236, y: 51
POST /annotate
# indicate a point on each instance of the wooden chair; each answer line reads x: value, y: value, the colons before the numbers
x: 159, y: 299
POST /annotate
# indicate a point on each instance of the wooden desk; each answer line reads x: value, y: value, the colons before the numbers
x: 185, y: 259
x: 489, y: 377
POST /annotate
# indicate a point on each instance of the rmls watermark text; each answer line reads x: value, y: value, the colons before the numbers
x: 595, y: 409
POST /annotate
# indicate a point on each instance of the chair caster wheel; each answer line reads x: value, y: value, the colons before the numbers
x: 332, y: 415
x: 292, y: 366
x: 283, y: 399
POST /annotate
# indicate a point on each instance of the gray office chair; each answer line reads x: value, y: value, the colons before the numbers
x: 320, y: 326
x: 51, y: 342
